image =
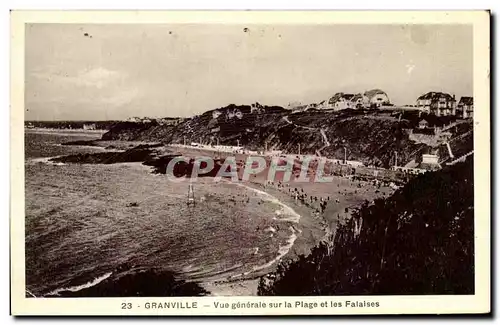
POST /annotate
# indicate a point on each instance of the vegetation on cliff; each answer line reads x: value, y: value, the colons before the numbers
x: 418, y: 241
x: 370, y: 136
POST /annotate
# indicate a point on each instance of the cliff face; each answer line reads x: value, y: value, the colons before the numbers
x: 368, y: 136
x: 418, y: 241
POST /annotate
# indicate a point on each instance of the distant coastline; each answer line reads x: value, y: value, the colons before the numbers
x: 54, y: 130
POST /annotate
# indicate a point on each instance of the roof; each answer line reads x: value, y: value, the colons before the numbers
x: 339, y: 96
x: 435, y: 95
x: 357, y: 97
x: 429, y: 166
x: 466, y: 100
x: 373, y: 92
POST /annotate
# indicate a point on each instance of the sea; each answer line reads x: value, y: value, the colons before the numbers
x: 121, y: 230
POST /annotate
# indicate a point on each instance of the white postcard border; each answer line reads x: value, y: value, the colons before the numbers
x: 477, y: 303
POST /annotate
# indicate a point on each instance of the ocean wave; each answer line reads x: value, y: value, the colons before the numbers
x: 282, y: 251
x: 207, y: 273
x: 289, y: 214
x: 86, y: 285
x: 136, y: 282
x: 292, y: 216
x: 46, y: 160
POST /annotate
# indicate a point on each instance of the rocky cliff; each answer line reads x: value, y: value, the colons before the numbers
x: 370, y: 136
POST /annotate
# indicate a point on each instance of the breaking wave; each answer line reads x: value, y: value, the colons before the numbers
x: 46, y: 160
x: 87, y: 285
x: 292, y: 216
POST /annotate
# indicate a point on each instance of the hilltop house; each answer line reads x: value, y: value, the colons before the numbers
x: 371, y: 98
x: 138, y: 119
x: 168, y: 121
x: 340, y: 101
x: 437, y: 103
x: 358, y: 101
x: 428, y: 159
x: 256, y: 108
x: 299, y: 107
x: 423, y: 124
x: 89, y: 126
x: 465, y: 107
x: 376, y: 98
x: 216, y: 114
x: 230, y: 114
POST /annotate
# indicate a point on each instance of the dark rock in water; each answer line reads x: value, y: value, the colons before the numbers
x: 133, y: 204
x: 80, y: 143
x: 131, y: 155
x: 138, y: 153
x: 184, y: 168
x: 144, y: 283
x: 147, y: 146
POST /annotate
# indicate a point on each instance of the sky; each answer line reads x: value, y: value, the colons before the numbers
x: 117, y: 71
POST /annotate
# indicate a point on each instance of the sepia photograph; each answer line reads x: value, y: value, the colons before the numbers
x: 191, y: 158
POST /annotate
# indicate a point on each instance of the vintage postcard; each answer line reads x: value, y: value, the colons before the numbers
x: 250, y: 163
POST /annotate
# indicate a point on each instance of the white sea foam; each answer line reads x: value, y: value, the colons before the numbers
x: 82, y: 286
x: 285, y: 210
x: 293, y: 216
x: 282, y: 251
x: 46, y: 160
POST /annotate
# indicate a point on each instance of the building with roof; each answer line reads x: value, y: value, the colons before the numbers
x: 359, y: 101
x: 423, y: 124
x: 437, y: 103
x: 216, y: 113
x: 376, y: 98
x: 340, y: 101
x: 428, y: 159
x: 465, y: 107
x: 89, y: 126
